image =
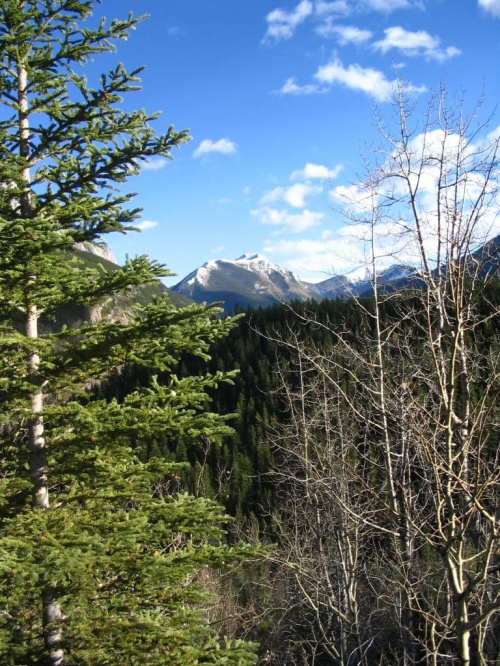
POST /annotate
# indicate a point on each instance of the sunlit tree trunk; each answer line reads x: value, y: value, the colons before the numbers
x: 51, y: 613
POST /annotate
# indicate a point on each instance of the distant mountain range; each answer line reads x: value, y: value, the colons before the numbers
x: 253, y: 281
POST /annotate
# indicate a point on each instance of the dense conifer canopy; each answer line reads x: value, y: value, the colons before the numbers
x: 99, y: 557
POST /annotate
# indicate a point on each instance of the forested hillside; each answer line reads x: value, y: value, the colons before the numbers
x: 296, y: 458
x: 261, y: 349
x: 366, y: 444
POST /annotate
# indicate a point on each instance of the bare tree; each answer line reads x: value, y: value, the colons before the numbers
x: 389, y: 465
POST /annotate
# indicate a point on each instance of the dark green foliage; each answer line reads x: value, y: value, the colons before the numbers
x: 101, y: 553
x: 237, y: 471
x: 240, y: 472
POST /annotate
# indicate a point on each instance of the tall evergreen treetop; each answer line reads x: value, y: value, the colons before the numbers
x: 99, y: 559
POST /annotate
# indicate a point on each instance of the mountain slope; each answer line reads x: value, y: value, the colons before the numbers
x: 254, y: 281
x: 249, y: 281
x: 115, y: 307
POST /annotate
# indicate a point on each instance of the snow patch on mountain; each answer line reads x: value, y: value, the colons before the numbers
x: 389, y: 274
x: 358, y: 274
x: 254, y: 280
x: 398, y: 272
x: 257, y: 263
x: 254, y: 262
x: 201, y: 275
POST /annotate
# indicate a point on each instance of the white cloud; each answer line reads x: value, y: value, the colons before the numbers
x: 294, y: 196
x: 354, y: 197
x: 434, y: 154
x: 175, y: 31
x: 490, y: 6
x: 144, y: 225
x: 388, y: 6
x: 419, y: 43
x: 316, y: 260
x: 338, y: 7
x: 281, y: 24
x: 316, y: 171
x: 345, y: 8
x: 493, y: 136
x: 365, y: 79
x: 154, y: 164
x: 346, y: 34
x: 391, y: 238
x: 337, y: 252
x: 303, y: 247
x: 222, y: 146
x: 368, y: 80
x: 291, y: 87
x: 289, y: 222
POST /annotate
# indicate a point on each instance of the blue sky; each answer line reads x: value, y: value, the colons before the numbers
x: 278, y: 97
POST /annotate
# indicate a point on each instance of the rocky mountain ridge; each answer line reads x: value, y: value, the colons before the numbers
x: 252, y: 280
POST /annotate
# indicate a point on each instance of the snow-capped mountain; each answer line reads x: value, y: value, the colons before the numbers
x: 249, y: 281
x: 358, y: 281
x: 252, y: 280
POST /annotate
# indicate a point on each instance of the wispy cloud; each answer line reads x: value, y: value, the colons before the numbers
x: 281, y: 24
x: 342, y: 8
x: 154, y: 164
x: 279, y: 207
x: 371, y: 81
x: 354, y: 197
x: 389, y: 6
x: 222, y: 146
x: 295, y: 195
x: 365, y: 79
x: 175, y: 31
x: 490, y: 6
x: 302, y: 246
x: 394, y: 234
x: 288, y: 222
x: 419, y: 43
x: 345, y: 34
x: 316, y: 171
x: 318, y: 258
x: 144, y: 225
x: 337, y: 7
x: 291, y: 87
x: 287, y: 207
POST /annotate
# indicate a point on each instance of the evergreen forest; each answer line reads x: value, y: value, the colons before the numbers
x: 324, y: 510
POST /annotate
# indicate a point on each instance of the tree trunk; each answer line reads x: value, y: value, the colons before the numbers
x: 36, y: 436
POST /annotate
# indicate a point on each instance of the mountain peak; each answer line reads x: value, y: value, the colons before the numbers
x: 250, y: 280
x: 252, y: 256
x: 253, y: 280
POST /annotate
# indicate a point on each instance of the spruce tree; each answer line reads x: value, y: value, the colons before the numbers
x: 99, y: 556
